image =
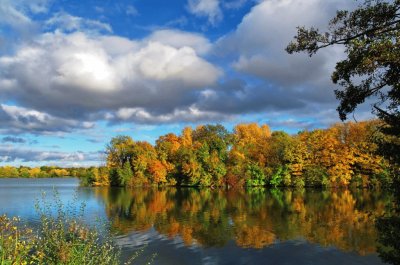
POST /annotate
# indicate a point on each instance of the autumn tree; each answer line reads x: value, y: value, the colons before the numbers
x: 203, y: 162
x: 119, y: 151
x: 167, y: 147
x: 247, y: 155
x: 371, y: 37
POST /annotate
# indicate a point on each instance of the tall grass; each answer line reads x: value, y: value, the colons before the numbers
x: 16, y: 242
x: 60, y: 238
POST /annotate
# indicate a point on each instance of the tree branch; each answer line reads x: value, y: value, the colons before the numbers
x: 348, y: 39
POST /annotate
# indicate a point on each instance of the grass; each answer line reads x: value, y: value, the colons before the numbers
x: 60, y: 238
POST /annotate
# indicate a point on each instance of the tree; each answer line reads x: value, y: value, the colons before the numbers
x: 210, y: 149
x: 124, y: 174
x: 119, y: 151
x: 371, y: 36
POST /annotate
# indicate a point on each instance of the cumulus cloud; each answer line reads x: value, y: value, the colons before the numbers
x: 258, y: 48
x: 81, y: 75
x: 179, y: 39
x: 15, y: 119
x: 260, y: 39
x: 70, y: 75
x: 206, y: 8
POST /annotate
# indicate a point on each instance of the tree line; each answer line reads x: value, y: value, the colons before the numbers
x: 345, y: 154
x: 44, y: 172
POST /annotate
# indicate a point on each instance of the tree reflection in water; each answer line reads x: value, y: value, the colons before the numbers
x: 253, y: 218
x: 388, y: 228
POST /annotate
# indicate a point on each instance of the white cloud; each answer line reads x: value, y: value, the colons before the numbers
x: 259, y: 43
x: 179, y: 39
x: 161, y: 62
x: 212, y: 9
x: 15, y: 13
x: 66, y: 22
x: 206, y: 8
x: 11, y: 15
x: 83, y: 74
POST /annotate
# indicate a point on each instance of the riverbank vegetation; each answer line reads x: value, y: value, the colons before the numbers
x: 41, y: 172
x: 59, y: 239
x: 345, y: 154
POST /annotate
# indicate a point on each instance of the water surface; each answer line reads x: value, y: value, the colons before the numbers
x: 204, y: 226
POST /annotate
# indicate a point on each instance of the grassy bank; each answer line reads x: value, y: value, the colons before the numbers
x: 56, y: 241
x: 61, y: 237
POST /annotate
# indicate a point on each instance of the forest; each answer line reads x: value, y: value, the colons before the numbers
x: 345, y: 154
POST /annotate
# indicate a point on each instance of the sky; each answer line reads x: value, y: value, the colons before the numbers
x: 74, y: 74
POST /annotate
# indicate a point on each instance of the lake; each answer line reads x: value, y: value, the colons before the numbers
x: 204, y: 226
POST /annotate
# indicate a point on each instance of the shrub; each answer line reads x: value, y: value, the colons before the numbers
x: 281, y: 176
x: 315, y: 176
x: 255, y: 176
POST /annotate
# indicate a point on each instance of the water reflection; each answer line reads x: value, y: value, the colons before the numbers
x: 389, y: 231
x: 254, y: 218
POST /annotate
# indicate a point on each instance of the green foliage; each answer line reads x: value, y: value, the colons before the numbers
x: 298, y: 183
x: 216, y: 137
x: 389, y: 239
x: 388, y: 227
x: 64, y: 239
x: 383, y: 178
x: 124, y: 174
x: 281, y: 177
x: 255, y: 176
x: 315, y: 176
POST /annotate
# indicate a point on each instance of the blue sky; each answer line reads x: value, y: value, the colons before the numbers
x: 73, y: 73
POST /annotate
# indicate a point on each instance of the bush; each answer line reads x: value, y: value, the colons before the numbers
x: 315, y: 176
x: 255, y: 176
x: 280, y: 177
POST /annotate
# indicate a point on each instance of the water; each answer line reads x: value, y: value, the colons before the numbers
x: 204, y: 226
